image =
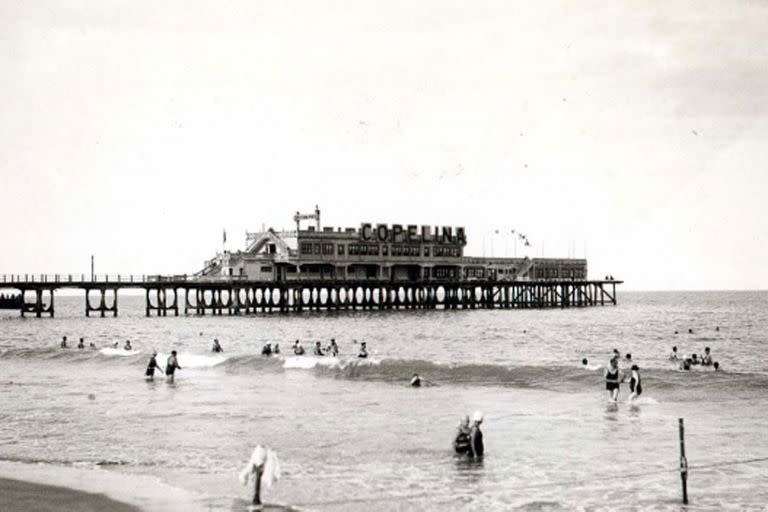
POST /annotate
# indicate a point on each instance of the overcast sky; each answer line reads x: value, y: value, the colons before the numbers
x: 137, y: 131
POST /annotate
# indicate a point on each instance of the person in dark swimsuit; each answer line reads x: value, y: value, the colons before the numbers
x: 416, y: 380
x: 476, y: 445
x: 612, y: 380
x: 461, y: 443
x: 81, y: 344
x: 635, y: 383
x: 171, y: 366
x: 216, y: 346
x: 63, y: 342
x: 363, y: 351
x: 151, y: 367
x: 318, y: 349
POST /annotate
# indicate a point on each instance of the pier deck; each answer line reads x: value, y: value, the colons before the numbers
x: 234, y: 295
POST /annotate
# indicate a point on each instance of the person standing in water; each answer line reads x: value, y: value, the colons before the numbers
x: 171, y: 366
x: 461, y: 442
x: 128, y: 345
x: 63, y: 343
x: 318, y: 349
x: 267, y: 350
x: 612, y: 380
x: 276, y: 350
x: 476, y: 445
x: 334, y: 348
x: 298, y: 350
x: 81, y: 343
x: 635, y: 384
x: 363, y: 351
x: 416, y: 381
x: 706, y: 359
x: 216, y: 346
x: 673, y: 355
x: 152, y: 366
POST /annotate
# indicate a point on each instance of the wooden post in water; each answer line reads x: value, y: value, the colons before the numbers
x: 683, y: 463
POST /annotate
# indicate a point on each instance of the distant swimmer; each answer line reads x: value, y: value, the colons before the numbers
x: 298, y: 349
x: 63, y: 343
x: 128, y: 345
x: 363, y: 351
x: 171, y: 366
x: 318, y: 349
x: 116, y: 344
x: 716, y: 366
x: 635, y: 384
x: 334, y: 348
x: 685, y: 364
x: 677, y: 332
x: 612, y: 380
x: 717, y: 329
x: 91, y: 345
x: 152, y: 366
x: 461, y: 443
x: 416, y: 380
x: 216, y: 346
x: 690, y: 331
x: 706, y: 359
x: 627, y: 363
x: 585, y: 362
x: 616, y: 354
x: 266, y: 350
x: 81, y: 343
x: 673, y: 355
x: 695, y: 359
x: 476, y: 445
x: 276, y: 350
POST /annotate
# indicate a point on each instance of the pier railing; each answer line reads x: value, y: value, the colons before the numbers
x: 86, y: 279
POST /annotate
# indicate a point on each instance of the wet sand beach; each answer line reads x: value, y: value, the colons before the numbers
x: 18, y: 496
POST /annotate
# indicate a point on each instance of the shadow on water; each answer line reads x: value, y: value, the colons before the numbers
x: 246, y: 506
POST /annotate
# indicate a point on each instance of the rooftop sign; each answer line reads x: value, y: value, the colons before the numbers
x: 396, y: 233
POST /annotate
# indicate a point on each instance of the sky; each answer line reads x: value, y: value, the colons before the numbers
x: 633, y: 134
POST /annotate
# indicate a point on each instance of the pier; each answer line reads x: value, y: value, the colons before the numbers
x: 238, y: 295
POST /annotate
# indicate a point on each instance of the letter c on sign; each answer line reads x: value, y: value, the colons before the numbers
x: 365, y: 232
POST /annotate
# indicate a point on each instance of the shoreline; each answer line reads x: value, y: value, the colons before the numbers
x: 23, y: 496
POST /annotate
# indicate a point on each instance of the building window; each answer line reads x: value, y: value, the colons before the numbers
x: 385, y: 250
x: 305, y: 248
x: 426, y: 251
x: 340, y: 250
x: 316, y: 248
x: 266, y: 268
x: 328, y: 249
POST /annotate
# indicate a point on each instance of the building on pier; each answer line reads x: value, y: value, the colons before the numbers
x: 377, y: 252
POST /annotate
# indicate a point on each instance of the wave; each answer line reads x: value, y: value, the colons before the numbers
x: 574, y: 378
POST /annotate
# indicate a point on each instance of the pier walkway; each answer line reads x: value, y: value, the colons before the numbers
x: 233, y: 295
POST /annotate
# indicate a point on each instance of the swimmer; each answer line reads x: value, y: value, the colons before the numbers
x: 635, y: 384
x: 334, y: 350
x: 690, y: 331
x: 673, y: 355
x: 216, y: 346
x: 81, y: 343
x: 686, y: 364
x: 276, y: 350
x: 695, y: 359
x: 128, y: 345
x: 266, y: 350
x: 363, y: 352
x: 612, y: 380
x: 716, y: 366
x: 461, y: 442
x: 298, y: 349
x: 476, y: 445
x: 318, y: 349
x: 416, y: 381
x: 585, y: 362
x: 63, y: 343
x: 116, y: 344
x: 152, y: 366
x: 627, y: 363
x: 91, y: 345
x: 717, y: 329
x: 171, y: 366
x: 706, y: 359
x: 676, y: 332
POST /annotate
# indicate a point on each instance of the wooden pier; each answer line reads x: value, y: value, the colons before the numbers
x: 177, y: 294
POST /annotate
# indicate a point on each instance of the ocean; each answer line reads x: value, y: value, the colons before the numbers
x: 353, y: 435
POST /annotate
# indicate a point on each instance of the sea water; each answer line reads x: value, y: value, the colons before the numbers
x: 353, y: 435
